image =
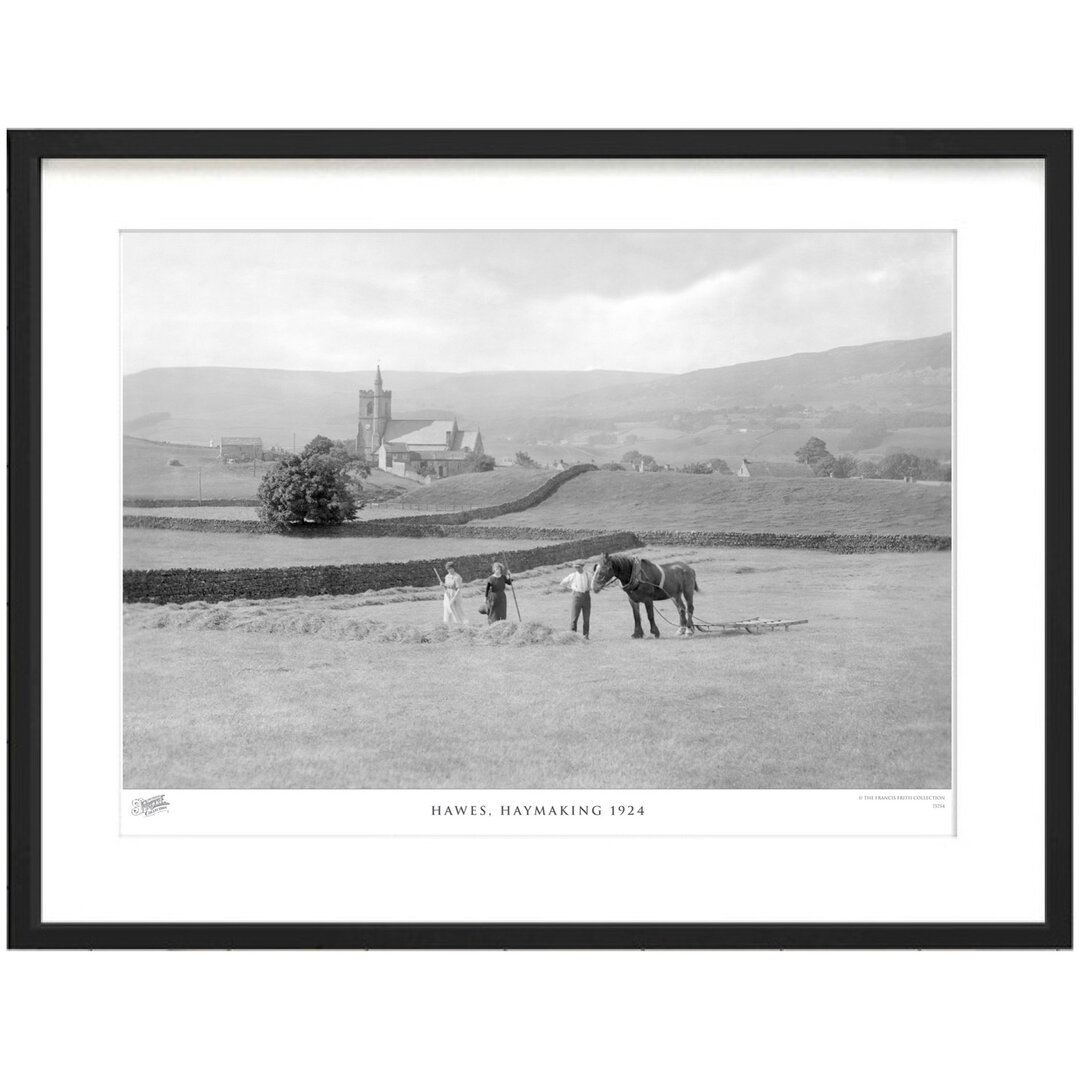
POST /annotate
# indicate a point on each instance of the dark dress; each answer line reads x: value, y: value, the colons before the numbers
x: 496, y: 598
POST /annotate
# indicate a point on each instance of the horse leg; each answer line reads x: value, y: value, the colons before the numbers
x: 638, y: 632
x: 677, y: 599
x: 652, y: 621
x: 689, y: 596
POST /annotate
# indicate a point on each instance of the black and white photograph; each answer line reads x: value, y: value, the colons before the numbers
x: 537, y: 509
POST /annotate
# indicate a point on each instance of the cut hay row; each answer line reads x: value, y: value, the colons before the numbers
x: 262, y: 620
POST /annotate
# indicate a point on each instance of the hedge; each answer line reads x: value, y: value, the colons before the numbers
x: 184, y: 586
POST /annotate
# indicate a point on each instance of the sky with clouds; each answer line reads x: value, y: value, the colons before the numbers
x: 496, y: 301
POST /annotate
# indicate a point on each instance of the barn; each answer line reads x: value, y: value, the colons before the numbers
x: 241, y: 448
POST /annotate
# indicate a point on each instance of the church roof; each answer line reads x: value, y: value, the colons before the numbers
x: 422, y: 432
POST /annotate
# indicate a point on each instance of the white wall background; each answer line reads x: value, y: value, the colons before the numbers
x: 560, y: 64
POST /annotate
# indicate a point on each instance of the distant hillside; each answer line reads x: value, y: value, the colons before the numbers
x: 591, y: 416
x: 203, y: 403
x: 881, y: 375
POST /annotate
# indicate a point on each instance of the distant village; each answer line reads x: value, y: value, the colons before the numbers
x: 426, y: 449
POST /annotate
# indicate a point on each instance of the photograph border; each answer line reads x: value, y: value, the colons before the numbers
x: 26, y: 152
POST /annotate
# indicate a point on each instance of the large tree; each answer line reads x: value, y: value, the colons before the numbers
x: 314, y: 486
x: 816, y: 454
x: 897, y: 466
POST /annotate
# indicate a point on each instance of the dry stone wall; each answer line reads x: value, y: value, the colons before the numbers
x: 839, y: 543
x: 183, y: 586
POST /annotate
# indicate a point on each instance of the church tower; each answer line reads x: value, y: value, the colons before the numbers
x: 375, y: 414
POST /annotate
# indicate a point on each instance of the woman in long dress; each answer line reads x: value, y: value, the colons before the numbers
x: 496, y: 593
x: 453, y: 610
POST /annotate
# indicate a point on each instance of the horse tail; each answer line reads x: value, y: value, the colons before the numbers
x: 697, y: 587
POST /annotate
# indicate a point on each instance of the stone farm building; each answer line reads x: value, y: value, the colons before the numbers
x: 241, y: 448
x: 419, y: 448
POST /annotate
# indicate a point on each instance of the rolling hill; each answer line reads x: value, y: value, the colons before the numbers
x: 591, y: 415
x: 883, y: 374
x: 197, y: 404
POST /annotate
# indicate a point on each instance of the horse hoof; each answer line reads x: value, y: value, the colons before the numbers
x: 636, y: 636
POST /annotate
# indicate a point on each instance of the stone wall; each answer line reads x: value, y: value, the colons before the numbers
x: 839, y: 543
x: 182, y: 586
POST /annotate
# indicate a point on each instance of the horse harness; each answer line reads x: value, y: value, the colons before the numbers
x: 636, y: 581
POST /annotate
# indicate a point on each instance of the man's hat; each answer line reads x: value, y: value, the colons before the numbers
x: 579, y: 564
x: 449, y: 566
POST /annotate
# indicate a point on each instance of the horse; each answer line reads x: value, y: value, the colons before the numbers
x: 647, y: 583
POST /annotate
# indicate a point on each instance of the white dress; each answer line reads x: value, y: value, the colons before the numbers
x: 453, y: 610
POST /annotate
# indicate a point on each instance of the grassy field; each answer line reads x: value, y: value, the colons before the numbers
x: 151, y: 549
x: 350, y: 692
x: 148, y: 474
x: 665, y: 500
x: 220, y: 513
x: 479, y: 489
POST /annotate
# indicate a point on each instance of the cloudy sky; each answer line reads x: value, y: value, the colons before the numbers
x: 475, y: 301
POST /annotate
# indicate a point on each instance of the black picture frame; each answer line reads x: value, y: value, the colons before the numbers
x: 26, y: 152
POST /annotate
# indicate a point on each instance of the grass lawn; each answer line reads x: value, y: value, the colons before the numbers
x: 154, y: 549
x: 313, y: 693
x: 664, y: 500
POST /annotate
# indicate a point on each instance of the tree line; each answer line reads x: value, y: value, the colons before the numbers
x: 896, y: 466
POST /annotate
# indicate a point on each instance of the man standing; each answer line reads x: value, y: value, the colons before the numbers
x: 579, y: 583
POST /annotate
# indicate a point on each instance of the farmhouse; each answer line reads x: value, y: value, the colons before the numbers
x: 774, y: 469
x: 419, y: 447
x: 241, y: 448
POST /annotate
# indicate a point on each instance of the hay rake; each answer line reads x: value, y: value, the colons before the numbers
x: 751, y: 626
x: 756, y: 625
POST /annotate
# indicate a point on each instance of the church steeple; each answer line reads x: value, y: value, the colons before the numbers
x: 378, y: 379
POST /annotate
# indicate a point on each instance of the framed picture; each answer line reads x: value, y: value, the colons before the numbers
x: 493, y: 539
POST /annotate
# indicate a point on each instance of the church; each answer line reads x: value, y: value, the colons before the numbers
x: 417, y: 448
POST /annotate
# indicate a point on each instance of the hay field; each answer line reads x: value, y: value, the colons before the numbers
x: 163, y: 549
x: 665, y: 500
x: 371, y: 692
